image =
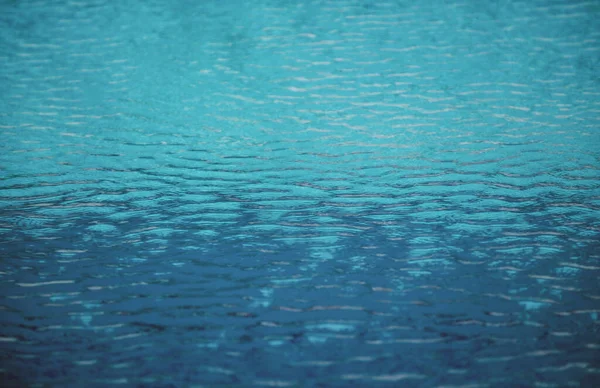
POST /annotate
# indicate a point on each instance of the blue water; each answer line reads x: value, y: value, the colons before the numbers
x: 279, y: 193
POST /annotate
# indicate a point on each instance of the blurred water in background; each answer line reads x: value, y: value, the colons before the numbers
x: 316, y: 193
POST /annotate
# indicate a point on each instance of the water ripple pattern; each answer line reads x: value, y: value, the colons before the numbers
x: 280, y: 193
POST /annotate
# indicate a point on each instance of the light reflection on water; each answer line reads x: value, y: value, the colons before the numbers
x: 284, y: 194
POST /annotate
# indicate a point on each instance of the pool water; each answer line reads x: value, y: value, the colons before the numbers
x: 280, y: 193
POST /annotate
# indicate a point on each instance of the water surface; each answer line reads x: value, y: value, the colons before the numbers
x: 281, y: 193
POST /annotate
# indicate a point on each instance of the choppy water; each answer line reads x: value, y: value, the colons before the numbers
x: 315, y: 193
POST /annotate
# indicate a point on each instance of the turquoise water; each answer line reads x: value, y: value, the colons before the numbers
x: 299, y: 193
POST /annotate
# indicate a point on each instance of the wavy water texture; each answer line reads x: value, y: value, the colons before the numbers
x: 281, y: 193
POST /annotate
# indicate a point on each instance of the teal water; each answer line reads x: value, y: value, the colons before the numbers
x: 299, y: 193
